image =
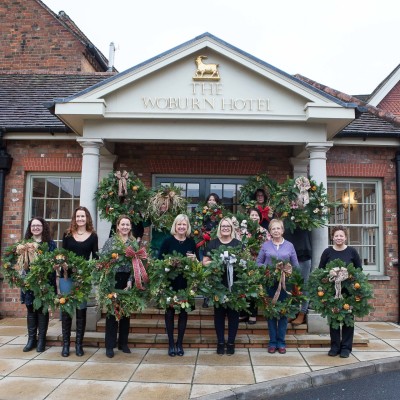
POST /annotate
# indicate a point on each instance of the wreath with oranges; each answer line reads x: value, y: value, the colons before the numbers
x: 61, y: 263
x: 340, y: 292
x: 120, y: 302
x: 121, y: 193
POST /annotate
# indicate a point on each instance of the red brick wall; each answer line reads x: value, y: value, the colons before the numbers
x: 31, y: 38
x: 392, y: 101
x: 376, y: 163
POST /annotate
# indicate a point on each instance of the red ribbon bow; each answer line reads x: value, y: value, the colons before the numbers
x: 264, y: 213
x: 139, y: 272
x: 206, y: 238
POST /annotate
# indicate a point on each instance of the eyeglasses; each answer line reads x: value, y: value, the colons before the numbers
x: 36, y: 226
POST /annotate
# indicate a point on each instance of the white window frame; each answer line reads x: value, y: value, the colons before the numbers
x: 378, y: 268
x: 28, y: 204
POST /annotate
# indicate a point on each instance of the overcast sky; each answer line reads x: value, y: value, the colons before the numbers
x: 349, y: 45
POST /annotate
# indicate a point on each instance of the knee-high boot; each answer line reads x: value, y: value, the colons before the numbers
x: 111, y: 335
x: 32, y: 324
x: 182, y: 322
x: 123, y: 334
x: 66, y: 323
x: 80, y: 331
x: 169, y: 325
x: 43, y: 324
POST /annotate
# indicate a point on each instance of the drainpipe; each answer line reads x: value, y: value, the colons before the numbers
x: 397, y: 160
x: 5, y: 167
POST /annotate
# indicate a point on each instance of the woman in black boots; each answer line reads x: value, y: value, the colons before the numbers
x: 123, y: 280
x: 37, y: 321
x: 180, y: 242
x: 81, y: 239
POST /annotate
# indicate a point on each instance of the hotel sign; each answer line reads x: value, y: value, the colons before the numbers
x: 206, y: 95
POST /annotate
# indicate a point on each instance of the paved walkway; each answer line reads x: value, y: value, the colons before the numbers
x: 150, y: 374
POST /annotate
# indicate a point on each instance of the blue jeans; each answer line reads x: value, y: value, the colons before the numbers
x: 277, y: 332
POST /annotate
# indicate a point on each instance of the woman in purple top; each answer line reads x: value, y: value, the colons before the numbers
x: 277, y: 249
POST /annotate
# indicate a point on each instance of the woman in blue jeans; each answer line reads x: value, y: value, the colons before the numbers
x: 275, y: 250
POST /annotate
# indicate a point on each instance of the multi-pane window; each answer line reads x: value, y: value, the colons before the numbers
x: 358, y: 207
x: 53, y: 197
x: 197, y: 189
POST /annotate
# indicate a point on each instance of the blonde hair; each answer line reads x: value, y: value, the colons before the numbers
x: 120, y: 218
x: 278, y: 222
x: 179, y: 218
x: 230, y: 222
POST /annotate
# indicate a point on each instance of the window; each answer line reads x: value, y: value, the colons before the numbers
x: 198, y: 188
x: 53, y: 197
x: 359, y: 209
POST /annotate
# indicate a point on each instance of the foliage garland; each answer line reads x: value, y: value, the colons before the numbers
x: 202, y: 215
x: 64, y: 263
x: 260, y: 181
x: 17, y: 258
x: 289, y: 306
x: 356, y: 291
x: 162, y: 272
x: 112, y: 201
x: 302, y: 203
x: 246, y: 285
x: 119, y: 302
x: 176, y: 204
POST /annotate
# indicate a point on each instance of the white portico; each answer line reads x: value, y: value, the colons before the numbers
x: 205, y: 91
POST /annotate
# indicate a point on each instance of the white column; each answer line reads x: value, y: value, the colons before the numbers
x: 320, y: 237
x: 90, y: 173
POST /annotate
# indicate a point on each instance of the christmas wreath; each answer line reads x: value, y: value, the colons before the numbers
x: 164, y: 205
x: 302, y: 203
x: 121, y: 193
x: 253, y: 235
x: 340, y: 292
x: 17, y: 260
x: 120, y: 302
x: 163, y: 272
x: 260, y: 181
x: 283, y: 291
x: 204, y: 221
x: 243, y: 277
x: 65, y: 264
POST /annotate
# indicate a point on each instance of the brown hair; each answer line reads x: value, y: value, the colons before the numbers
x: 339, y: 228
x: 46, y: 229
x: 73, y: 226
x: 120, y: 218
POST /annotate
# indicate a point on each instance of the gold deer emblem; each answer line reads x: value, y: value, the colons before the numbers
x: 205, y: 72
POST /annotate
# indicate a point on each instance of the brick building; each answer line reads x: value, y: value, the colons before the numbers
x: 205, y: 124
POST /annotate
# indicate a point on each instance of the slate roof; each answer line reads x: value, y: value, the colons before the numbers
x: 22, y: 98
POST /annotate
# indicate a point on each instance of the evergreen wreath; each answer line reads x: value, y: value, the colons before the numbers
x: 175, y: 205
x: 340, y: 293
x: 64, y: 264
x: 119, y: 302
x: 302, y: 203
x: 121, y: 193
x: 260, y: 181
x: 17, y: 260
x: 246, y: 284
x: 290, y: 304
x: 202, y: 214
x: 163, y: 272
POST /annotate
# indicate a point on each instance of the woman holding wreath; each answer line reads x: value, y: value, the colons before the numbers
x: 281, y: 250
x: 123, y: 279
x: 37, y: 321
x: 181, y: 243
x: 225, y: 237
x: 81, y: 239
x: 341, y: 342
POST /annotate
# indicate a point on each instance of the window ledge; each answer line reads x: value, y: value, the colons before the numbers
x: 379, y: 278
